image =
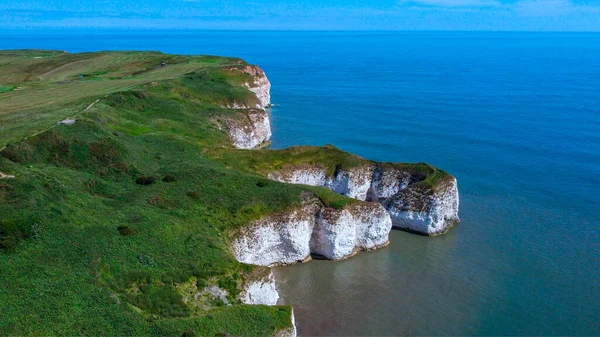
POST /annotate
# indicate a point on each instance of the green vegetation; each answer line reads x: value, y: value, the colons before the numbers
x: 5, y: 89
x: 110, y: 222
x: 328, y: 156
x: 108, y: 216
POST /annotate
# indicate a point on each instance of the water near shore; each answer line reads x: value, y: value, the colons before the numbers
x: 514, y: 116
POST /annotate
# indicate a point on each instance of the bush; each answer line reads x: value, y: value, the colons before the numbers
x: 194, y: 195
x: 126, y: 231
x: 143, y: 180
x: 11, y: 233
x: 189, y: 333
x: 262, y: 183
x: 169, y: 178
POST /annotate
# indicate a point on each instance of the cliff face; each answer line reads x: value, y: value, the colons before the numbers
x: 413, y: 207
x: 260, y: 289
x: 277, y: 239
x: 291, y: 237
x: 253, y: 129
x: 261, y: 86
x: 250, y: 130
x: 429, y: 212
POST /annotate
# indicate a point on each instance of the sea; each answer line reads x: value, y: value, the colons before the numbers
x: 515, y: 116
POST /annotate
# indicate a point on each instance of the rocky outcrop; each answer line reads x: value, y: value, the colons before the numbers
x: 372, y: 225
x: 413, y: 206
x: 250, y: 130
x: 425, y: 211
x: 260, y: 288
x: 292, y: 236
x: 254, y: 128
x: 202, y: 298
x: 278, y: 239
x: 353, y: 183
x: 261, y: 86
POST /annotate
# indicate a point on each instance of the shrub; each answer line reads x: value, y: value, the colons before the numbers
x: 169, y: 178
x: 126, y: 231
x: 189, y: 333
x: 143, y: 180
x: 156, y: 200
x: 262, y: 183
x: 11, y: 233
x: 194, y: 195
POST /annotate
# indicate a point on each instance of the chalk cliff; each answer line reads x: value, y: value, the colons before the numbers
x: 252, y: 128
x: 292, y: 236
x: 260, y: 288
x: 249, y: 130
x: 261, y: 86
x: 425, y: 211
x: 412, y: 204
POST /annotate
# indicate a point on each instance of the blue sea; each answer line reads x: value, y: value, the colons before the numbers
x: 514, y: 116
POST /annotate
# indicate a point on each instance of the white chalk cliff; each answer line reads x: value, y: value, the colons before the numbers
x: 387, y: 196
x: 261, y: 86
x: 427, y: 211
x: 292, y: 236
x: 260, y: 289
x: 252, y: 129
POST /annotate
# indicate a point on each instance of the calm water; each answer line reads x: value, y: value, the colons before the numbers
x: 514, y: 116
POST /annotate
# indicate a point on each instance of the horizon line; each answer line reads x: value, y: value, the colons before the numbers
x: 17, y: 29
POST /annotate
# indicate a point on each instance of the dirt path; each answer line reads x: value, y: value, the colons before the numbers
x: 5, y: 176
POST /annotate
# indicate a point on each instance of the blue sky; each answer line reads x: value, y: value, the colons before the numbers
x: 521, y: 15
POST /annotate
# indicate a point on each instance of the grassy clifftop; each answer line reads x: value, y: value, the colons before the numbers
x: 328, y: 157
x: 103, y: 220
x: 106, y: 217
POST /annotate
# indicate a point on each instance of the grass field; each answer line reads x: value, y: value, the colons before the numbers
x: 108, y: 219
x: 85, y: 249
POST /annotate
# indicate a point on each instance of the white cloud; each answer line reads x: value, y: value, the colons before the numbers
x: 552, y: 8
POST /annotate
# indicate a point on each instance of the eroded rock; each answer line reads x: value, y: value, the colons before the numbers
x: 292, y: 236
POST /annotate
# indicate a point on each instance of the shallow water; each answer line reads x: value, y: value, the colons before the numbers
x: 514, y: 116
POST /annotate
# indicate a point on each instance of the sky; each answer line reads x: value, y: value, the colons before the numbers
x: 445, y: 15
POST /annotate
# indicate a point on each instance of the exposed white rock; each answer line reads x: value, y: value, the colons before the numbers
x: 217, y: 293
x: 373, y: 225
x: 429, y: 212
x: 255, y: 129
x: 277, y: 239
x: 67, y: 121
x: 202, y: 298
x: 302, y: 174
x: 420, y: 210
x: 353, y: 183
x: 261, y: 86
x: 261, y: 290
x: 389, y: 181
x: 250, y: 132
x: 334, y: 236
x: 293, y: 236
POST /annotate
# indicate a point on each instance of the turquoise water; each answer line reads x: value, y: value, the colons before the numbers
x: 514, y: 116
